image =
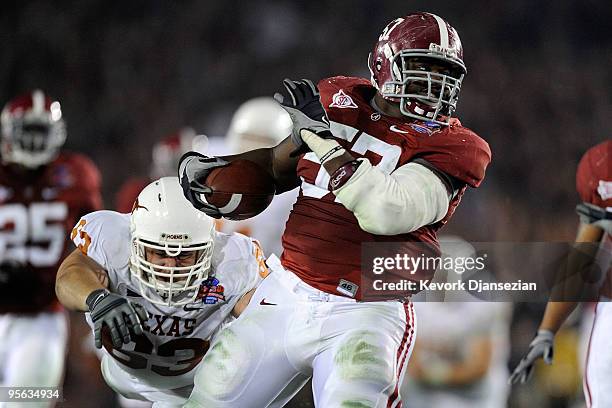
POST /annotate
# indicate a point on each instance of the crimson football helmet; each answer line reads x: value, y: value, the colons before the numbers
x: 594, y: 178
x: 402, y: 66
x: 168, y: 151
x: 33, y: 130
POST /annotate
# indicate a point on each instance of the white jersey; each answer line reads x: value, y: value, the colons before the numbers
x: 175, y: 338
x: 446, y: 333
x: 266, y: 227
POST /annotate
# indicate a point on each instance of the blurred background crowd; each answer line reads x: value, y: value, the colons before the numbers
x: 128, y: 74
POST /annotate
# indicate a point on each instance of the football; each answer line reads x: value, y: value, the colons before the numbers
x: 240, y: 190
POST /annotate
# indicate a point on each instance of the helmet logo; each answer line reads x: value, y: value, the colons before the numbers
x: 446, y: 51
x: 137, y: 206
x: 342, y: 100
x: 174, y: 237
x: 605, y: 189
x: 384, y: 36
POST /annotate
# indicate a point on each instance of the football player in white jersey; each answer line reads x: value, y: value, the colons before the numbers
x: 156, y: 285
x: 258, y: 122
x: 459, y: 362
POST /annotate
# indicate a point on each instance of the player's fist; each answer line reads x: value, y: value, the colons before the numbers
x: 192, y: 172
x: 120, y: 315
x: 306, y: 111
x: 540, y: 347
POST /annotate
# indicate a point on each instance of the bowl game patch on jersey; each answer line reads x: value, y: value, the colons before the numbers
x: 211, y: 291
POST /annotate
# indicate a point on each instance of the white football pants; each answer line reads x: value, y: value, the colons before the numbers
x: 598, y: 370
x: 356, y: 352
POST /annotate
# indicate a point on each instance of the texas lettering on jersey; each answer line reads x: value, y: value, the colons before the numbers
x: 387, y: 143
x: 37, y: 210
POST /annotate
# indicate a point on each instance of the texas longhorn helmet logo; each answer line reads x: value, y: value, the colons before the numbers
x: 137, y: 206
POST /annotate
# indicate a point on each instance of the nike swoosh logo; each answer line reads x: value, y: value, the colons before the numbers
x: 99, y: 298
x: 191, y: 309
x: 264, y: 303
x: 394, y: 128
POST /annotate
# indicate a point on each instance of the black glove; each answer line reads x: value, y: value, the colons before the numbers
x: 111, y: 309
x: 306, y: 112
x: 540, y: 347
x: 193, y: 170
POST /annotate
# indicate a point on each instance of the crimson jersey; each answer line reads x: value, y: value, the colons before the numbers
x: 322, y: 239
x: 594, y: 185
x: 38, y: 209
x: 128, y: 193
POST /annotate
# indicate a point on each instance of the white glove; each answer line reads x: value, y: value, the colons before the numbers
x: 540, y: 347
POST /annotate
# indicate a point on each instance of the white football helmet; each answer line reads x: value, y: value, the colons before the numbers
x: 163, y: 220
x: 258, y: 122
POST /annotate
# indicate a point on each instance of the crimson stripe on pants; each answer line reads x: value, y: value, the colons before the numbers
x: 408, y: 334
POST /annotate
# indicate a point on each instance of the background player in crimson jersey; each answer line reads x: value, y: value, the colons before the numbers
x: 594, y: 184
x: 377, y: 161
x: 165, y: 157
x: 42, y: 193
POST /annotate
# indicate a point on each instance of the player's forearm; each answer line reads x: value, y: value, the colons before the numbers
x: 75, y: 280
x: 396, y: 203
x: 277, y: 162
x: 556, y: 313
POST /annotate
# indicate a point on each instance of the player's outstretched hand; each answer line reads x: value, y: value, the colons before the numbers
x: 306, y: 111
x: 540, y: 347
x: 192, y: 172
x: 120, y: 315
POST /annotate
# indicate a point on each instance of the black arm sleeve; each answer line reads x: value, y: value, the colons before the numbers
x: 453, y: 185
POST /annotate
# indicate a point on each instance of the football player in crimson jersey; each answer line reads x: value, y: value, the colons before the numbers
x: 594, y: 185
x: 42, y: 193
x: 166, y: 154
x: 376, y: 161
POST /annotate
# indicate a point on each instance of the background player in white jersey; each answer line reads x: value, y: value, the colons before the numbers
x: 594, y: 185
x: 156, y: 285
x: 377, y: 161
x: 461, y: 353
x: 43, y: 191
